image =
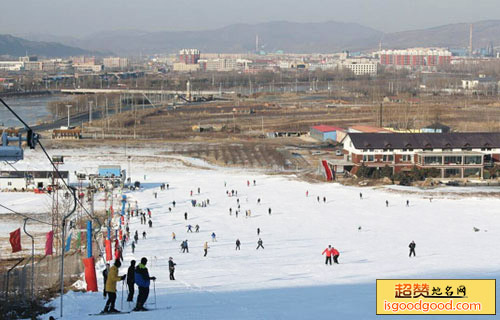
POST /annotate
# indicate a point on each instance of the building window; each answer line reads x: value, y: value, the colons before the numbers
x: 406, y: 158
x: 452, y: 160
x: 368, y: 158
x: 388, y: 158
x: 452, y: 173
x: 432, y: 160
x: 472, y: 159
x: 472, y: 172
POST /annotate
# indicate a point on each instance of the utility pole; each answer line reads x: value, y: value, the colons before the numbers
x: 90, y: 111
x: 68, y: 106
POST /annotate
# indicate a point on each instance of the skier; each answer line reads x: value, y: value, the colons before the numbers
x: 136, y: 236
x: 407, y: 203
x: 360, y: 196
x: 317, y: 198
x: 238, y: 243
x: 197, y: 228
x: 185, y: 215
x: 198, y: 190
x: 191, y: 193
x: 254, y: 183
x: 324, y: 199
x: 131, y: 281
x: 149, y: 213
x: 156, y: 195
x: 236, y: 212
x: 169, y: 209
x: 213, y: 237
x: 173, y: 203
x: 259, y: 244
x: 258, y: 201
x: 171, y: 268
x: 205, y: 248
x: 150, y: 223
x: 335, y: 254
x: 386, y: 203
x: 168, y: 186
x: 248, y: 183
x: 189, y: 228
x: 133, y: 247
x: 142, y: 280
x: 111, y: 281
x: 144, y: 234
x: 184, y: 246
x: 269, y: 211
x: 258, y: 231
x: 307, y: 193
x: 412, y: 248
x: 230, y: 211
x: 328, y: 252
x: 173, y: 235
x: 105, y: 278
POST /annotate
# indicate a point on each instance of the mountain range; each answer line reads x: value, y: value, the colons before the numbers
x: 279, y: 35
x: 14, y: 46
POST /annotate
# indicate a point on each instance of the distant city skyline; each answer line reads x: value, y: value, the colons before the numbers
x: 80, y: 18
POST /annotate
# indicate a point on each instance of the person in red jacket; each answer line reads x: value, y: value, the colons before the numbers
x: 328, y: 252
x: 335, y: 254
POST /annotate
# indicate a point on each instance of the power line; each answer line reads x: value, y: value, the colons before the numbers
x: 25, y: 216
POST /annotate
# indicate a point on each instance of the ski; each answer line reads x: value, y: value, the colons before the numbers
x: 108, y: 314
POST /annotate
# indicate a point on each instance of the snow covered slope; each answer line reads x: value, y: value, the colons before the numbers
x: 288, y: 279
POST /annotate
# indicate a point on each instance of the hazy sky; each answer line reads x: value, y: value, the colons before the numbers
x: 81, y: 17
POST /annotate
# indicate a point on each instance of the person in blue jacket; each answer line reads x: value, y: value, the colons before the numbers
x: 142, y: 279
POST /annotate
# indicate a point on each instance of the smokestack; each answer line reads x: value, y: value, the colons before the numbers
x: 257, y: 43
x: 470, y: 41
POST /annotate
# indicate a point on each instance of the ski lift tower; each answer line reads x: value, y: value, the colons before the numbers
x: 54, y: 189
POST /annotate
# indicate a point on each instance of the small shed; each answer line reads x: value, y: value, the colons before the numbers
x: 323, y: 132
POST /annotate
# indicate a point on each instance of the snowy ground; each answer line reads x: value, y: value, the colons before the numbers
x: 287, y: 280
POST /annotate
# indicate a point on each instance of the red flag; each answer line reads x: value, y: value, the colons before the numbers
x: 15, y: 240
x: 109, y: 255
x: 49, y: 243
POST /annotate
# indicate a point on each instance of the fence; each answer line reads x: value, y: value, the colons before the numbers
x: 16, y: 284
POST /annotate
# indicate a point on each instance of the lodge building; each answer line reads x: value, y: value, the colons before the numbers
x: 456, y: 155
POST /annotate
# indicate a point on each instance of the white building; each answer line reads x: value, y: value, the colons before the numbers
x: 11, y: 65
x: 87, y: 67
x: 221, y: 64
x: 19, y: 180
x: 361, y: 66
x: 115, y: 63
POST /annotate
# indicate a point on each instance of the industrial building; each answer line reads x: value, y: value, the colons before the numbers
x: 456, y: 155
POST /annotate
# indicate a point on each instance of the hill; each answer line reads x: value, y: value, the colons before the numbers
x: 14, y: 46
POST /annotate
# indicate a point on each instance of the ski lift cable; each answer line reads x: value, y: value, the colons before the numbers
x: 48, y: 157
x: 26, y: 216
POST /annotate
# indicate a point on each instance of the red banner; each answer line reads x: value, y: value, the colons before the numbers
x: 120, y: 234
x: 15, y: 240
x: 49, y: 240
x: 109, y: 254
x: 90, y: 276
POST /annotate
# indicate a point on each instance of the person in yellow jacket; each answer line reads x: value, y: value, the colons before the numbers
x: 113, y: 278
x: 205, y: 248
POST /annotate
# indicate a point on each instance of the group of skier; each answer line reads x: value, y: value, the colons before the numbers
x: 136, y: 275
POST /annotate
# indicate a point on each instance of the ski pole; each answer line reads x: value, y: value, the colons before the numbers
x: 123, y: 284
x: 154, y: 290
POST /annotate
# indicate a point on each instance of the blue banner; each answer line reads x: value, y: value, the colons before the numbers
x: 68, y: 243
x: 89, y: 239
